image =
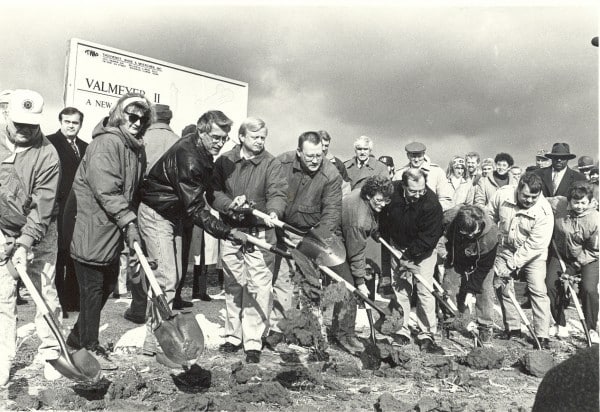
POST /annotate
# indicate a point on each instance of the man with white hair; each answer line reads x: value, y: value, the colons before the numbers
x: 29, y: 177
x: 363, y: 165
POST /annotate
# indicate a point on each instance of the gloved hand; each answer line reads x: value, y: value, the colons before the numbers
x: 407, y: 265
x: 238, y: 237
x: 20, y: 256
x: 132, y: 235
x: 270, y: 222
x: 375, y: 235
x: 501, y: 267
x: 362, y: 288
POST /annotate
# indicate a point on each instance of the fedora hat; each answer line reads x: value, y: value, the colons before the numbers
x: 560, y: 150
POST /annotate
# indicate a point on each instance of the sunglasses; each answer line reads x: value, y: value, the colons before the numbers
x: 133, y: 118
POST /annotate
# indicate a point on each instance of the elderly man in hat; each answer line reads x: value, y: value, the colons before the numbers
x: 557, y: 178
x: 436, y: 178
x: 585, y: 164
x: 29, y: 177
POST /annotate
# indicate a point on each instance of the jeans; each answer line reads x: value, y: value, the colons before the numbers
x: 535, y: 276
x: 588, y: 292
x: 162, y: 238
x: 42, y: 273
x: 96, y: 283
x: 248, y: 276
x: 403, y: 287
x: 454, y: 284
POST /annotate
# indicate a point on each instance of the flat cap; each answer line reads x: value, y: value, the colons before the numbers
x: 415, y: 147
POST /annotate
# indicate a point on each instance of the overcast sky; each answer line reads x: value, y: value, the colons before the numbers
x: 488, y: 79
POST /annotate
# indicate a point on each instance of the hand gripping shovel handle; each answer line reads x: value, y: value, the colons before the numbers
x: 278, y: 223
x: 352, y: 289
x: 162, y: 304
x: 563, y: 267
x: 267, y: 246
x: 447, y: 303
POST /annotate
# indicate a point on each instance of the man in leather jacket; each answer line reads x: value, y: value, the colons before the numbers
x: 174, y: 191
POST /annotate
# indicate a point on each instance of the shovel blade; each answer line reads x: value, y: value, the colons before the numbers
x: 81, y: 366
x: 180, y: 338
x: 323, y: 247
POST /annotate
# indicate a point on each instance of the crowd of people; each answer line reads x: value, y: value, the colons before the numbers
x: 82, y: 208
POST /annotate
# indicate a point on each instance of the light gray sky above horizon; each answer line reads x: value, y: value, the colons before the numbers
x: 488, y: 79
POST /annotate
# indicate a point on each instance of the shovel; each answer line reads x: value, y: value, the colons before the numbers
x: 440, y: 294
x: 278, y: 223
x: 79, y: 366
x: 513, y: 299
x: 322, y: 254
x: 567, y: 282
x: 180, y: 336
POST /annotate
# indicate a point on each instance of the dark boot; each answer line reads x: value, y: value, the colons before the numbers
x: 199, y: 285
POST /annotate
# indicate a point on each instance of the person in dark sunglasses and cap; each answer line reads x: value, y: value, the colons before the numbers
x: 389, y: 162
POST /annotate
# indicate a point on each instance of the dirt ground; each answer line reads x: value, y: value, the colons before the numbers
x: 290, y: 379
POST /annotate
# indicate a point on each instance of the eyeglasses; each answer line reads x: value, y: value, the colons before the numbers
x: 217, y: 139
x: 312, y: 157
x: 381, y: 200
x: 133, y: 118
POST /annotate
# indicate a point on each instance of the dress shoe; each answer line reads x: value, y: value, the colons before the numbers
x: 350, y: 344
x: 203, y: 297
x: 181, y: 304
x: 229, y: 347
x: 252, y: 356
x: 429, y: 346
x: 140, y: 320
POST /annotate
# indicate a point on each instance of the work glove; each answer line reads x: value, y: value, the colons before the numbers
x: 21, y: 256
x: 272, y: 218
x: 132, y: 235
x: 502, y: 265
x: 237, y: 237
x: 362, y: 288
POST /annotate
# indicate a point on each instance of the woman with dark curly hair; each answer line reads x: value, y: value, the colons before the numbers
x: 360, y: 210
x: 103, y: 204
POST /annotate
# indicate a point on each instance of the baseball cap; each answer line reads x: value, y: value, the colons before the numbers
x: 24, y: 106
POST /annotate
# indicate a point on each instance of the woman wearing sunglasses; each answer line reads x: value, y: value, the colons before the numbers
x: 102, y: 204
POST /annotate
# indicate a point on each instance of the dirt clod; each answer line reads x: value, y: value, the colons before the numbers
x: 335, y: 292
x: 126, y: 386
x: 389, y: 325
x: 392, y: 355
x: 242, y: 373
x: 387, y: 403
x: 426, y: 404
x: 268, y: 392
x: 483, y: 358
x: 301, y: 327
x: 191, y: 402
x: 537, y: 363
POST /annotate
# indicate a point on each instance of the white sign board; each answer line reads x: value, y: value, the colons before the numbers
x: 98, y: 75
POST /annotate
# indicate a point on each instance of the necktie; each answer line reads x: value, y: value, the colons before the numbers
x: 554, y: 182
x: 75, y: 149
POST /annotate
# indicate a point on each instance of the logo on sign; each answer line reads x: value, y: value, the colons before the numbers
x: 91, y: 53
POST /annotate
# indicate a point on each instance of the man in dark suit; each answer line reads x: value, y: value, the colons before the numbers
x: 70, y: 150
x: 557, y: 178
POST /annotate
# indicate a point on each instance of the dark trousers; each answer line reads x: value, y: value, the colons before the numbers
x: 344, y: 313
x: 186, y: 242
x: 588, y: 292
x: 66, y: 283
x: 96, y: 283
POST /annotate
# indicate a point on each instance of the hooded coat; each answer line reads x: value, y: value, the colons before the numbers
x: 104, y: 195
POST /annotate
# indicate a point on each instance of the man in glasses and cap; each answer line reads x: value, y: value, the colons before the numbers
x: 29, y: 177
x: 557, y: 178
